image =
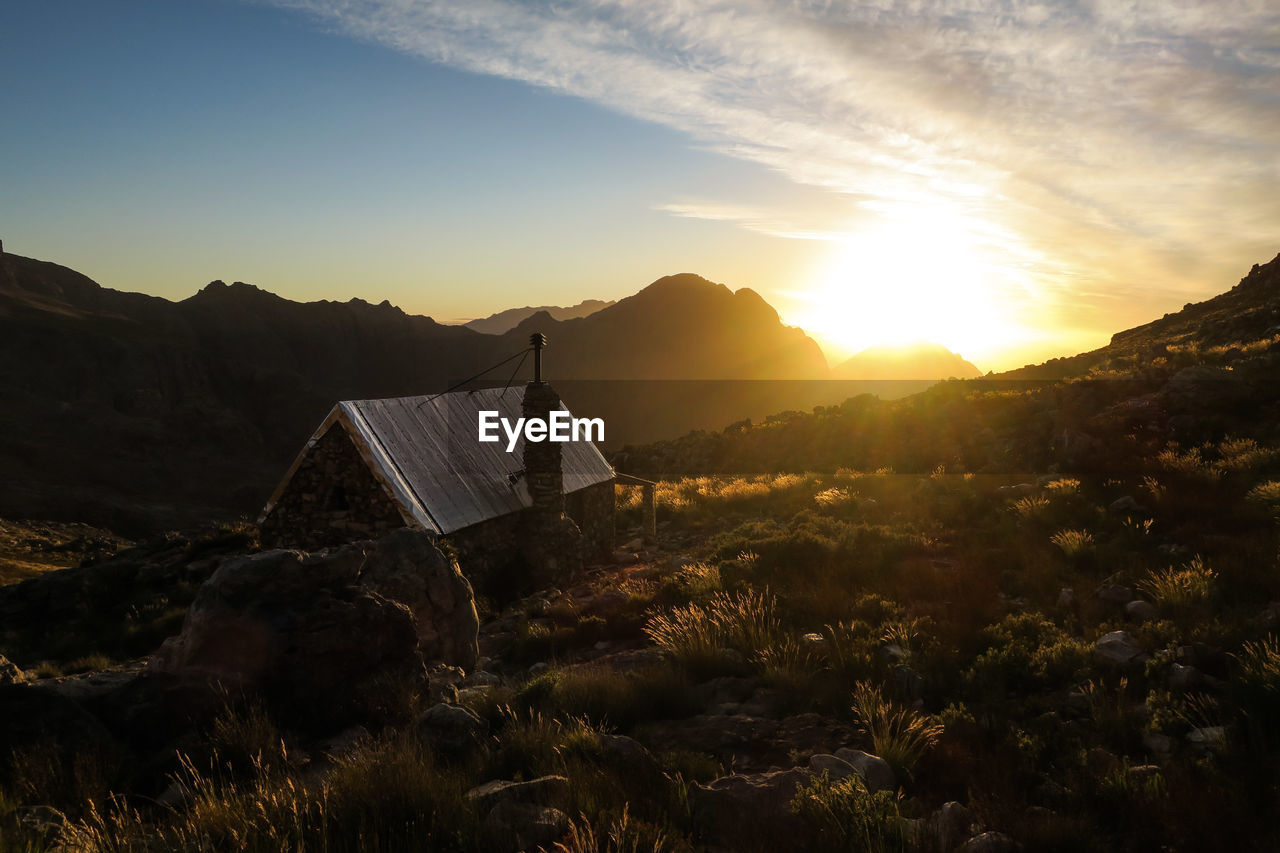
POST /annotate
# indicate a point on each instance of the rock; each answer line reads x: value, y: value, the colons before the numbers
x: 875, y: 772
x: 1112, y: 593
x: 9, y: 672
x: 346, y: 742
x: 636, y: 544
x: 510, y: 827
x: 321, y: 635
x: 1126, y: 505
x: 1066, y: 598
x: 891, y: 653
x: 949, y: 825
x: 1117, y: 649
x: 731, y: 811
x: 1207, y: 739
x: 442, y: 683
x: 542, y: 791
x: 908, y: 683
x: 38, y: 718
x: 989, y: 842
x: 407, y: 567
x: 38, y: 826
x: 452, y: 728
x: 1144, y: 772
x: 623, y: 558
x: 1077, y: 704
x: 539, y: 667
x: 629, y: 756
x: 727, y: 688
x: 607, y: 603
x: 480, y: 678
x: 1140, y: 611
x: 835, y: 768
x: 732, y: 660
x: 679, y: 562
x: 1183, y: 679
x: 813, y: 639
x: 1157, y: 744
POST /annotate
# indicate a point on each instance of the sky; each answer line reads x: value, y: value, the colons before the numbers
x: 1014, y: 180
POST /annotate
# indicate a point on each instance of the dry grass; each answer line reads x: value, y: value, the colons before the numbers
x: 1181, y: 587
x: 898, y: 734
x: 1074, y: 543
x: 695, y: 634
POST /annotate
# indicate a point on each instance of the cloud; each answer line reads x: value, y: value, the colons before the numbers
x: 1101, y: 137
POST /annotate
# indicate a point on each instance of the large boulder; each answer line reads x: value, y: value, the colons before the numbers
x: 1117, y: 649
x: 407, y: 567
x: 318, y: 635
x: 732, y: 811
x: 520, y: 815
x: 873, y: 770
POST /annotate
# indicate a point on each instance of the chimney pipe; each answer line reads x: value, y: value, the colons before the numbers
x: 537, y: 340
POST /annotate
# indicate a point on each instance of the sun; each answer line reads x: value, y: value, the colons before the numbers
x: 923, y: 273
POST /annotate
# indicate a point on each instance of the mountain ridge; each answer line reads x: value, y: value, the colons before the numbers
x: 139, y: 412
x: 504, y: 321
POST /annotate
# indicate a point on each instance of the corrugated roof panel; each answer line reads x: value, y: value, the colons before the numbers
x: 428, y: 448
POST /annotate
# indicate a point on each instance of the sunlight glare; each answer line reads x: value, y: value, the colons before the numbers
x: 924, y: 273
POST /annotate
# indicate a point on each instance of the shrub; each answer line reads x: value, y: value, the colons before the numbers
x: 610, y: 697
x: 621, y: 834
x: 1027, y: 651
x: 694, y: 634
x: 1074, y: 543
x: 1031, y: 507
x: 898, y: 734
x: 1267, y: 494
x: 1064, y: 487
x: 1182, y: 587
x: 1258, y: 665
x: 843, y: 815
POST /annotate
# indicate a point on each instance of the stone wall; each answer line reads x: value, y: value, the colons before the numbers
x: 592, y: 510
x: 333, y: 498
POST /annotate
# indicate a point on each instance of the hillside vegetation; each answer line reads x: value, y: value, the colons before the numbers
x: 1011, y: 613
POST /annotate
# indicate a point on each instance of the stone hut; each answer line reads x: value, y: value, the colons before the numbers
x: 517, y: 519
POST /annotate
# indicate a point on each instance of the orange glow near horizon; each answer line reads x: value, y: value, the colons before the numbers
x: 924, y: 273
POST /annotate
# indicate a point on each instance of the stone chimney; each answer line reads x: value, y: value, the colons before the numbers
x: 551, y: 542
x: 542, y: 461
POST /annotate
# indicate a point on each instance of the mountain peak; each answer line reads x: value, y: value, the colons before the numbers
x: 234, y: 292
x: 915, y: 360
x: 682, y: 282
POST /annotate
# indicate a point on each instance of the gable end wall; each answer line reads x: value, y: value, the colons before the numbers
x: 331, y: 499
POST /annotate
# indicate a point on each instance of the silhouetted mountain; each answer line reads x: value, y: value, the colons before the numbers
x: 134, y: 411
x: 907, y: 361
x: 679, y: 327
x: 505, y: 321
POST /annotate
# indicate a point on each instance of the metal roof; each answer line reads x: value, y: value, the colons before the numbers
x: 426, y: 451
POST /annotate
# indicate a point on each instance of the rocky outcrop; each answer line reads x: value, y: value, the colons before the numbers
x: 315, y: 634
x: 405, y: 566
x: 732, y: 809
x: 520, y: 815
x: 10, y: 673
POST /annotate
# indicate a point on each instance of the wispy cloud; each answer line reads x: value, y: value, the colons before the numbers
x: 1113, y: 137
